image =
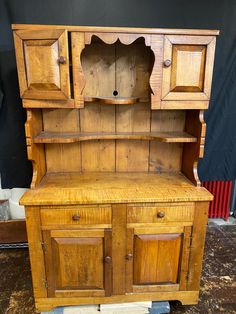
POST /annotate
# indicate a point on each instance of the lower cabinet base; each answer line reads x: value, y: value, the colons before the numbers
x: 185, y: 297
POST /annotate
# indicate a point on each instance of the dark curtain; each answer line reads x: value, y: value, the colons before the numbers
x: 219, y: 162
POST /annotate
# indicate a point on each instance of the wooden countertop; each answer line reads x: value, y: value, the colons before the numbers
x: 101, y: 188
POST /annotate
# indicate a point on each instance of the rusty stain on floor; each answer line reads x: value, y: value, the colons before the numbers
x: 218, y: 284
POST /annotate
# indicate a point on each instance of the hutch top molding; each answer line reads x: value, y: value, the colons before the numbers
x: 103, y: 29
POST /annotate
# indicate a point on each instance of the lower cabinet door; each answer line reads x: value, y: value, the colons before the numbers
x: 78, y: 262
x: 157, y: 259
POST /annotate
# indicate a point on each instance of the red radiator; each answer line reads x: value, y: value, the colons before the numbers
x: 219, y: 207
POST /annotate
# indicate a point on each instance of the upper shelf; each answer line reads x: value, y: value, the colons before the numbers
x: 167, y: 137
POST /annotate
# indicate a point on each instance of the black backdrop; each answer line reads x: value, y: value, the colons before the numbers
x: 219, y: 161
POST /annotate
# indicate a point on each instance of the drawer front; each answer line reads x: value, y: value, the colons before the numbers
x: 160, y: 213
x: 76, y: 215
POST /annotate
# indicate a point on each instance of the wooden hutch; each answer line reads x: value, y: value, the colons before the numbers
x: 114, y: 130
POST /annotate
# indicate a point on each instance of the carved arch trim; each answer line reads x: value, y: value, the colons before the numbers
x: 111, y: 38
x: 155, y: 42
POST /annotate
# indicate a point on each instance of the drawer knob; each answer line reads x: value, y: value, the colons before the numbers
x: 76, y: 217
x: 62, y: 60
x: 129, y: 256
x: 160, y: 214
x: 167, y: 63
x: 107, y: 259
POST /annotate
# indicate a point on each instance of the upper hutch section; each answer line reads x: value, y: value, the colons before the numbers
x: 174, y: 69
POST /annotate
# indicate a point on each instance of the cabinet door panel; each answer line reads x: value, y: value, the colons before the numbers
x: 159, y: 258
x: 189, y: 75
x: 188, y: 68
x: 41, y: 64
x: 78, y: 263
x: 75, y: 263
x: 156, y: 258
x: 41, y: 75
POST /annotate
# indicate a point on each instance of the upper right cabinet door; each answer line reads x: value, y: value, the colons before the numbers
x: 187, y: 69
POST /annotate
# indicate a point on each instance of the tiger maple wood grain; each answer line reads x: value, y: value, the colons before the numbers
x: 115, y: 212
x: 99, y: 188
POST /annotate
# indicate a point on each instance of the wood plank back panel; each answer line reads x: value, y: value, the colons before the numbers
x: 98, y: 155
x: 127, y: 70
x: 133, y: 155
x: 62, y: 157
x: 134, y: 64
x: 98, y: 63
x: 163, y: 156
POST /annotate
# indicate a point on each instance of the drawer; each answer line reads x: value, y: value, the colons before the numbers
x: 75, y: 215
x: 160, y: 213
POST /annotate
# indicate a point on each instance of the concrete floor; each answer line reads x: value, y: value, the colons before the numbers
x: 218, y: 287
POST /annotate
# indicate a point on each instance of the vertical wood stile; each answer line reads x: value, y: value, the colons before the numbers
x: 156, y: 75
x: 129, y: 262
x: 118, y: 248
x: 36, y: 252
x: 185, y: 258
x: 197, y: 246
x: 77, y: 41
x: 108, y: 266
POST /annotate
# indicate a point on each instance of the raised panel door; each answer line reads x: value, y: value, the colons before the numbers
x: 43, y: 64
x: 187, y: 68
x: 78, y: 262
x: 156, y: 258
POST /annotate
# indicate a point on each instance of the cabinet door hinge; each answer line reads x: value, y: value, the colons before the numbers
x: 46, y: 284
x: 43, y: 246
x: 189, y: 257
x: 190, y: 242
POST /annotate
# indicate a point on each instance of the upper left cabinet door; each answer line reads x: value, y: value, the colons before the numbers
x: 43, y: 64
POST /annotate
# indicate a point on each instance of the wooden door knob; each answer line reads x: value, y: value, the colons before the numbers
x: 76, y: 217
x: 129, y: 256
x: 167, y: 63
x: 160, y: 214
x: 107, y: 259
x: 62, y: 60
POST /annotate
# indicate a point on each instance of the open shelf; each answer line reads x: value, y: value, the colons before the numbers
x: 167, y: 137
x: 113, y: 100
